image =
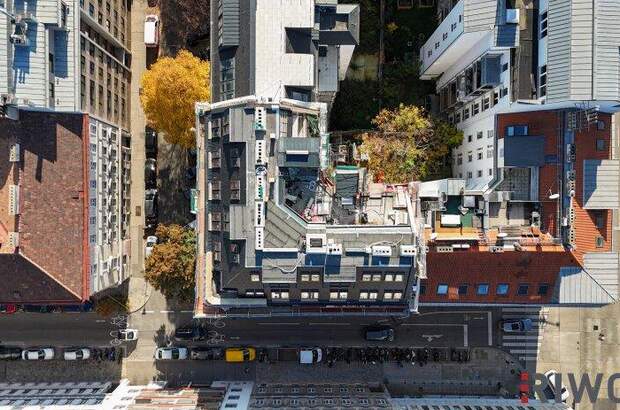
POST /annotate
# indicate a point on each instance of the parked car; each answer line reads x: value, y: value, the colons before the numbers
x: 81, y: 353
x: 127, y: 335
x: 150, y: 143
x: 8, y: 308
x: 190, y: 333
x: 150, y: 173
x: 44, y: 353
x: 150, y: 207
x: 151, y: 30
x: 151, y: 241
x: 379, y: 334
x: 310, y: 356
x: 240, y: 354
x: 10, y: 353
x: 171, y: 353
x: 206, y: 353
x: 552, y: 386
x: 518, y: 325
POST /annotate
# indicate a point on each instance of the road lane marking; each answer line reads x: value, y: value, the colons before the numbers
x: 149, y: 311
x: 100, y: 321
x: 490, y: 327
x: 522, y: 309
x: 534, y: 317
x: 234, y: 337
x: 430, y: 338
x: 524, y: 351
x: 278, y: 324
x: 328, y: 324
x: 431, y: 324
x: 187, y: 311
x: 516, y: 337
x: 166, y: 311
x: 465, y: 336
x: 521, y: 344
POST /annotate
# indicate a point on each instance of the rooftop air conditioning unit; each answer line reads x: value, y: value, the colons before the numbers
x: 445, y: 249
x: 381, y: 250
x: 316, y: 243
x: 260, y: 239
x: 407, y: 250
x: 13, y: 199
x: 334, y: 249
x: 497, y: 249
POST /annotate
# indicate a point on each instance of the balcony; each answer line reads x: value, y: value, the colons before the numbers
x: 450, y: 41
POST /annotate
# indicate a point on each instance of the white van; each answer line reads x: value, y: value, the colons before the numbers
x: 151, y: 30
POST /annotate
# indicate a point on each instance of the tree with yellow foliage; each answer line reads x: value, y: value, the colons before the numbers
x: 169, y: 90
x: 408, y: 145
x: 170, y: 267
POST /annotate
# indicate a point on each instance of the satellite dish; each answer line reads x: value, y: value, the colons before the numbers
x: 554, y: 196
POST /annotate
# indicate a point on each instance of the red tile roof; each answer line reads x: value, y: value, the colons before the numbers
x: 52, y: 223
x: 512, y: 268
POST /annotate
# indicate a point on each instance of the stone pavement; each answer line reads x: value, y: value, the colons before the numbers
x: 479, y: 376
x: 573, y: 344
x: 59, y: 371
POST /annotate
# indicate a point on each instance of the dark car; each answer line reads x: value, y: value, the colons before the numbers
x: 206, y: 353
x: 10, y: 353
x: 150, y: 143
x: 379, y: 334
x: 190, y: 333
x: 150, y: 207
x: 150, y: 173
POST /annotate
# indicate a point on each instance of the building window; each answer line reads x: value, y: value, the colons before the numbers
x: 470, y: 156
x: 366, y: 277
x: 515, y: 130
x: 479, y: 135
x: 600, y: 125
x: 463, y: 289
x: 469, y: 175
x: 543, y: 81
x: 305, y: 278
x: 459, y: 159
x: 475, y: 109
x: 479, y: 173
x: 486, y: 103
x: 490, y: 172
x: 389, y: 277
x: 543, y: 24
x: 376, y: 278
x: 442, y: 289
x: 598, y: 216
x: 543, y: 288
x: 363, y: 295
x: 466, y: 115
x: 387, y: 295
x: 227, y: 79
x: 502, y: 289
x: 600, y: 144
x: 600, y: 241
x: 398, y: 277
x: 469, y: 138
x: 523, y: 289
x: 255, y: 277
x: 480, y: 155
x: 483, y: 289
x: 422, y: 290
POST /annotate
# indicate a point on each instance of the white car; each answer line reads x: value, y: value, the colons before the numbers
x: 171, y: 353
x: 127, y: 335
x: 552, y: 379
x: 82, y: 353
x: 150, y: 243
x: 44, y: 353
x: 310, y: 356
x: 151, y: 30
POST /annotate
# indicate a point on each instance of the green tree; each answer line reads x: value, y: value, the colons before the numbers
x: 170, y: 267
x: 408, y: 145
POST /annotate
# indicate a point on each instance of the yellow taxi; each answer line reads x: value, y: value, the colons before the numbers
x: 240, y: 354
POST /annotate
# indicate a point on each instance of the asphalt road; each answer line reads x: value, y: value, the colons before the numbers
x: 56, y: 329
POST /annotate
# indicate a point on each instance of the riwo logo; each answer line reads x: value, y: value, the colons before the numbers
x: 582, y: 387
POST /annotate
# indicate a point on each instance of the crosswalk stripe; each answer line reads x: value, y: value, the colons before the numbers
x: 521, y: 344
x: 533, y: 317
x: 522, y: 309
x: 524, y: 351
x: 517, y: 337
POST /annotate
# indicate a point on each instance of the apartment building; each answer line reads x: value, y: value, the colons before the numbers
x: 248, y: 56
x: 65, y: 56
x: 287, y: 219
x: 545, y: 230
x: 494, y: 56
